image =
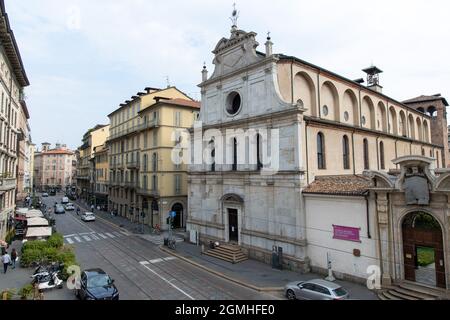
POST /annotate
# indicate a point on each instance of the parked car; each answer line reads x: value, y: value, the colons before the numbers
x: 70, y: 207
x: 317, y: 289
x: 59, y: 209
x: 45, y: 195
x: 88, y: 216
x: 65, y: 200
x: 96, y: 284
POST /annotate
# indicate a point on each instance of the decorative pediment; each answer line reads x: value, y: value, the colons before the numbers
x: 235, y: 53
x: 381, y: 179
x: 443, y: 183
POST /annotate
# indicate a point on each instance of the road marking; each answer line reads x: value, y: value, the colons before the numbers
x: 69, y: 235
x: 78, y: 239
x: 86, y: 233
x: 124, y: 233
x: 169, y: 258
x: 155, y: 261
x: 87, y: 238
x: 95, y: 237
x: 117, y: 233
x: 109, y: 235
x: 70, y: 241
x: 169, y: 282
x: 144, y: 262
x: 102, y: 235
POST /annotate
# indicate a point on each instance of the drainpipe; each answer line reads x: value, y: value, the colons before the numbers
x: 307, y: 154
x: 318, y: 94
x: 378, y: 155
x: 292, y: 81
x: 368, y: 216
x: 353, y: 151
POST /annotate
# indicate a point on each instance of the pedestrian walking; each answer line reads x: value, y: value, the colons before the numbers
x: 13, y: 258
x: 6, y: 260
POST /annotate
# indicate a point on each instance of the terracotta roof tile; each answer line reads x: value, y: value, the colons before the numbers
x: 182, y: 102
x: 350, y: 185
x: 424, y: 98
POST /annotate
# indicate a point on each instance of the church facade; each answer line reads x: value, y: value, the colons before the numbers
x: 310, y: 165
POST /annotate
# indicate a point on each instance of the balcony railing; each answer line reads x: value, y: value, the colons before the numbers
x: 131, y: 184
x: 7, y: 181
x: 137, y: 128
x: 133, y: 165
x: 147, y: 192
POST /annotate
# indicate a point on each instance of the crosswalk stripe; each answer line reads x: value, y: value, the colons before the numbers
x: 155, y: 261
x: 70, y: 241
x: 169, y: 258
x: 102, y: 235
x: 117, y: 233
x: 87, y: 238
x: 95, y: 237
x: 78, y: 239
x: 110, y: 235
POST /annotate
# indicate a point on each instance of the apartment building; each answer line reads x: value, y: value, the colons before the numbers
x: 13, y: 80
x: 23, y: 160
x: 53, y: 167
x: 93, y: 138
x: 139, y: 126
x: 101, y: 176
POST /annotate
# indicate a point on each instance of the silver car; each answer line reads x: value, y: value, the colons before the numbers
x: 317, y: 289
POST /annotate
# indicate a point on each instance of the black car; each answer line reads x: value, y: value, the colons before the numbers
x: 96, y: 284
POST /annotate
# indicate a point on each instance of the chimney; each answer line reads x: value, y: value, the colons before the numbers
x: 204, y: 73
x: 373, y: 78
x: 269, y: 45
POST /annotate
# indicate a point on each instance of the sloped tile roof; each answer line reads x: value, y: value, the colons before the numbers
x: 425, y: 98
x: 347, y: 185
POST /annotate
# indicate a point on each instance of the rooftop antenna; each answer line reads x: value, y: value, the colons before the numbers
x: 234, y: 16
x: 168, y: 81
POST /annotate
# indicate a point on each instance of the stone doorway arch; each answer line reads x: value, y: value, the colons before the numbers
x: 423, y: 249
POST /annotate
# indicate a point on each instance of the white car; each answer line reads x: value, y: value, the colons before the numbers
x: 65, y: 200
x: 88, y: 216
x: 70, y: 207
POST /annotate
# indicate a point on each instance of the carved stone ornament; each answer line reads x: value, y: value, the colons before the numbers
x: 417, y: 191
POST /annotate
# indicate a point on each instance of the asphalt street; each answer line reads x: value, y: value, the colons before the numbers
x: 141, y: 271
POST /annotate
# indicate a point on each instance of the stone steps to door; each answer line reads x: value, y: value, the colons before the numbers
x: 232, y: 254
x: 407, y: 291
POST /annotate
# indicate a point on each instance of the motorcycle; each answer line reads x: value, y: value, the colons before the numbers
x: 48, y: 281
x: 43, y: 270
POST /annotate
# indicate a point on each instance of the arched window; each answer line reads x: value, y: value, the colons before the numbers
x: 213, y: 155
x: 423, y: 152
x: 437, y: 159
x: 234, y: 154
x: 345, y: 153
x: 145, y: 186
x: 382, y: 164
x: 320, y: 151
x: 366, y: 154
x: 259, y: 152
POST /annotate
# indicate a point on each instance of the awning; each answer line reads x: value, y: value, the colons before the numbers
x: 35, y: 214
x: 39, y: 232
x: 37, y: 222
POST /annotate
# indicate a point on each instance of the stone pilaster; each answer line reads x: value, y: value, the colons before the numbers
x: 383, y: 227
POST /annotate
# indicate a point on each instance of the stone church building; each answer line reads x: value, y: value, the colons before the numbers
x: 354, y: 168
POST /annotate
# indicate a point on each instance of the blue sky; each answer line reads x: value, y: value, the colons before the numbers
x: 85, y: 57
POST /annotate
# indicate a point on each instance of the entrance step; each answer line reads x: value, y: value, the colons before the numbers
x: 230, y: 253
x: 407, y: 291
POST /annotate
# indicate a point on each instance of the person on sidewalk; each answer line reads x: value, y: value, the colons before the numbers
x: 13, y: 258
x: 6, y: 260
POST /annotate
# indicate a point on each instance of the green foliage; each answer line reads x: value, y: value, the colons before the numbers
x: 56, y: 240
x: 10, y: 236
x: 425, y: 256
x: 52, y: 250
x: 26, y: 292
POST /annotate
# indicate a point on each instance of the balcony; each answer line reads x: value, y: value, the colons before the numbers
x: 149, y: 193
x: 131, y: 184
x: 83, y: 178
x: 135, y: 129
x: 7, y: 182
x: 133, y: 164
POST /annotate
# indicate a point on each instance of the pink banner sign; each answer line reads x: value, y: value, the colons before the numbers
x: 346, y: 233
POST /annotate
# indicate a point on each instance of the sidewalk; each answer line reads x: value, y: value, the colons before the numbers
x: 257, y: 275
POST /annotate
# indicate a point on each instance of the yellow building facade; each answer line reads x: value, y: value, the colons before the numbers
x: 139, y: 126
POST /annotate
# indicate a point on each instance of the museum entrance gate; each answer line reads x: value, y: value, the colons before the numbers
x: 423, y: 250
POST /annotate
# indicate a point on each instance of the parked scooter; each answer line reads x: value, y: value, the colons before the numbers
x: 43, y: 270
x: 48, y: 281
